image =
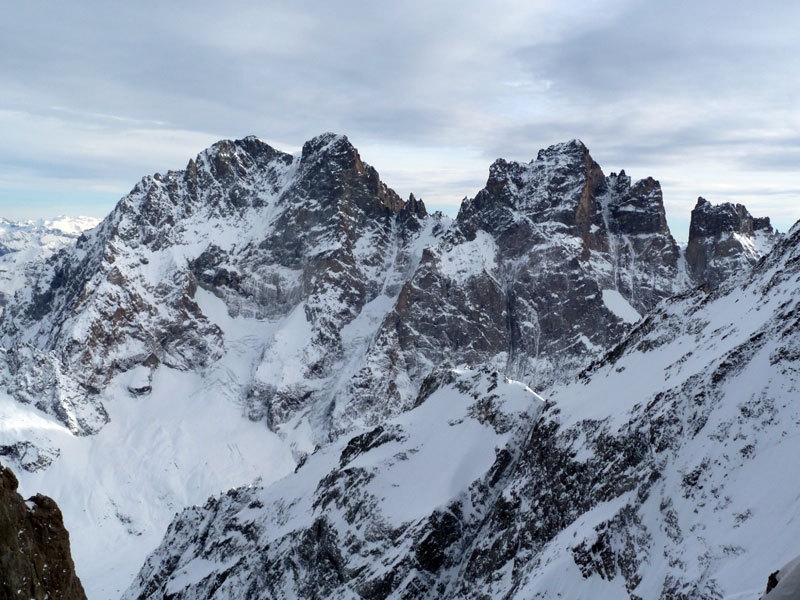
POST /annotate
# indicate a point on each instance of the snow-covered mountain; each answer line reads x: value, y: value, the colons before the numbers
x: 229, y: 321
x: 23, y: 243
x: 664, y: 471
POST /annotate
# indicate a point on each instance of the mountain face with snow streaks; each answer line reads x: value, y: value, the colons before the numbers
x: 292, y: 310
x: 652, y: 476
x: 522, y: 281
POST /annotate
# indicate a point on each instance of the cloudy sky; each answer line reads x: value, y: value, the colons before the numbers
x: 702, y: 95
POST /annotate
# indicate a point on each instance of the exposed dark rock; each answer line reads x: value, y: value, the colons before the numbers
x: 35, y: 560
x: 772, y: 581
x: 724, y: 241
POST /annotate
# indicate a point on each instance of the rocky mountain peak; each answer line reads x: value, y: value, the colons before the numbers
x: 557, y: 190
x: 333, y: 152
x: 328, y: 142
x: 229, y: 159
x: 261, y: 230
x: 413, y: 213
x: 331, y: 164
x: 573, y: 149
x: 637, y: 208
x: 564, y: 191
x: 619, y: 181
x: 715, y: 220
x: 725, y: 239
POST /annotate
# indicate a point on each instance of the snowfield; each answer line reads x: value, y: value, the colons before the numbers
x: 120, y: 488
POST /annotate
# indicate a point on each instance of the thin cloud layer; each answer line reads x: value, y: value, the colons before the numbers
x: 700, y: 95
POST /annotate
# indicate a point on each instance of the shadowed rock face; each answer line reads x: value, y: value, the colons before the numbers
x: 519, y: 279
x: 724, y: 241
x: 35, y: 560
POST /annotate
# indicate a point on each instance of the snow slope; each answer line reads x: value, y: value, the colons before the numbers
x: 359, y: 506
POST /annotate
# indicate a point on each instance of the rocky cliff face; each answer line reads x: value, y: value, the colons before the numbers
x: 545, y: 267
x: 35, y: 559
x: 725, y: 240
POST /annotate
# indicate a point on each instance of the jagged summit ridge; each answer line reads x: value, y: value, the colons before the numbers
x: 724, y: 241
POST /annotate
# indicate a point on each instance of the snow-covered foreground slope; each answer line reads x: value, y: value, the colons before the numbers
x: 665, y: 471
x: 364, y: 515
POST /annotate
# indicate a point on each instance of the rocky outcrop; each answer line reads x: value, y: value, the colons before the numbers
x: 35, y: 559
x: 725, y: 240
x: 784, y: 584
x: 522, y: 281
